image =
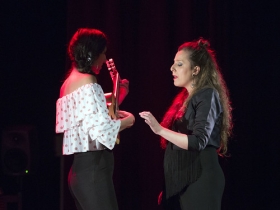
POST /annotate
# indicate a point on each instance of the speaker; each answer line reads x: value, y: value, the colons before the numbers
x: 16, y: 149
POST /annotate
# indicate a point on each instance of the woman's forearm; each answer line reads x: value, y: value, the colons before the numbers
x: 179, y: 139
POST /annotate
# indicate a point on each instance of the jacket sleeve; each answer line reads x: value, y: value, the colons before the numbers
x: 207, y: 109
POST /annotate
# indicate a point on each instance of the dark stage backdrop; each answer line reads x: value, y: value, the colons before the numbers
x: 144, y: 37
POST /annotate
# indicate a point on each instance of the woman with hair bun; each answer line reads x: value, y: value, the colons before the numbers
x: 194, y: 131
x: 89, y: 132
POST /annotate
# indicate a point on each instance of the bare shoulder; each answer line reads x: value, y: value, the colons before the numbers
x: 87, y: 78
x: 75, y: 81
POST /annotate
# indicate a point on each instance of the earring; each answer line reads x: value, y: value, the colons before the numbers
x: 193, y: 83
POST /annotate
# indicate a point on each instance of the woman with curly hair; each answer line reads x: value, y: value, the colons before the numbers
x: 89, y: 132
x: 194, y: 130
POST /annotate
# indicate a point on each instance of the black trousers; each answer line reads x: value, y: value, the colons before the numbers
x: 90, y: 181
x: 207, y: 192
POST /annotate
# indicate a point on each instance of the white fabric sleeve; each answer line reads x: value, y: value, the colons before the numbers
x: 86, y: 108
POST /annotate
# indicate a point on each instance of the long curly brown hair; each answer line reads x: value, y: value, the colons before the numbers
x: 201, y: 55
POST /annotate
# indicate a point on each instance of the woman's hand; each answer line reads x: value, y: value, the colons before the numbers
x: 151, y: 121
x: 124, y: 89
x: 180, y: 139
x: 124, y: 85
x: 127, y: 118
x: 123, y: 114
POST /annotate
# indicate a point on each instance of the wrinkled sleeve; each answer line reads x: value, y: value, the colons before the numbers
x: 207, y: 109
x: 87, y: 110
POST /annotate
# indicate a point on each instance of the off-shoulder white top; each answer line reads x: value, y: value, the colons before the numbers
x: 84, y: 119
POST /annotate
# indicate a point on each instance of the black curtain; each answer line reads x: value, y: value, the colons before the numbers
x: 144, y: 37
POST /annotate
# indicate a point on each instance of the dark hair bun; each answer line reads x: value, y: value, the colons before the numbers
x: 85, y: 47
x: 203, y: 43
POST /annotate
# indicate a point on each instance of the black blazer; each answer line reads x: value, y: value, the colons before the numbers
x: 202, y: 120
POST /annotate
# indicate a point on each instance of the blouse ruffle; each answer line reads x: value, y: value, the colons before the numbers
x: 84, y: 119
